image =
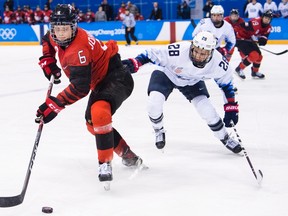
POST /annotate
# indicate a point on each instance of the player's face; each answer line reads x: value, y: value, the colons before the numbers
x: 63, y: 32
x: 200, y: 55
x: 234, y: 18
x: 266, y: 20
x: 216, y: 19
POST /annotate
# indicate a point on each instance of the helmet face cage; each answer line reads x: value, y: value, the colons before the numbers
x: 204, y: 41
x: 64, y: 14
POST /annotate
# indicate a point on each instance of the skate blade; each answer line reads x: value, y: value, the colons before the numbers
x: 138, y: 169
x: 106, y: 185
x: 142, y: 167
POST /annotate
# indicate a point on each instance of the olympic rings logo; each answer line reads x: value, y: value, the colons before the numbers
x: 8, y: 33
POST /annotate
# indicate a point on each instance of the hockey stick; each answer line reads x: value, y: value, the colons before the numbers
x: 18, y: 199
x: 274, y: 53
x: 258, y: 175
x: 260, y: 47
x: 193, y: 23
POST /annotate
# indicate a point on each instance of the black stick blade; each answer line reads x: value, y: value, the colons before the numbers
x: 11, y: 201
x: 259, y: 177
x: 274, y: 53
x: 283, y: 52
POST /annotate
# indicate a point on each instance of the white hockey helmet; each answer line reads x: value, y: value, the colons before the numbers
x: 202, y: 48
x: 205, y: 40
x: 217, y: 9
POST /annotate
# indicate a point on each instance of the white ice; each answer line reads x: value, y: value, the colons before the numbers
x: 196, y: 175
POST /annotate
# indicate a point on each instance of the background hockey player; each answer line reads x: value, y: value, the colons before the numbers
x: 222, y: 30
x: 185, y: 65
x: 90, y: 65
x: 249, y: 35
x: 235, y: 20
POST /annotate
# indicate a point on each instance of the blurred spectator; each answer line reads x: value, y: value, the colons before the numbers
x: 28, y: 15
x: 185, y: 11
x: 129, y: 23
x: 81, y: 16
x: 132, y: 8
x: 107, y: 9
x: 1, y: 19
x: 207, y: 8
x: 271, y: 5
x: 100, y: 15
x: 90, y: 16
x: 156, y: 13
x: 121, y: 12
x: 254, y: 9
x: 76, y: 8
x: 38, y: 15
x: 245, y: 6
x: 283, y: 8
x: 19, y: 15
x: 9, y: 4
x: 46, y: 14
x: 48, y: 3
x: 8, y: 16
x: 139, y: 17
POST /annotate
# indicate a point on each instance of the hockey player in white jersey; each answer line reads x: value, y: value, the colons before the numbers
x: 222, y: 30
x: 185, y: 66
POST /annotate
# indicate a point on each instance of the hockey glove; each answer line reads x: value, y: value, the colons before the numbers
x: 231, y: 113
x: 262, y: 41
x: 49, y: 67
x: 223, y: 51
x: 49, y: 110
x: 132, y: 64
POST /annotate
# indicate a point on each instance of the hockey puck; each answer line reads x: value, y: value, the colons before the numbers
x: 47, y: 210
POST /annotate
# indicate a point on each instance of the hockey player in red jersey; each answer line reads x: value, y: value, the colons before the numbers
x: 235, y: 20
x: 249, y: 36
x: 92, y: 67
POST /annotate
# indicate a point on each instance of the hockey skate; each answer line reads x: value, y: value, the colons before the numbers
x: 105, y: 172
x: 105, y: 175
x: 160, y: 138
x: 240, y: 72
x: 232, y: 144
x: 130, y: 159
x: 257, y: 75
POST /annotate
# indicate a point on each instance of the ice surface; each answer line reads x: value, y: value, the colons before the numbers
x: 196, y: 175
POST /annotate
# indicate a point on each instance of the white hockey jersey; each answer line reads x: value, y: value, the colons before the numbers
x: 224, y: 34
x: 175, y: 62
x: 283, y: 8
x: 253, y: 10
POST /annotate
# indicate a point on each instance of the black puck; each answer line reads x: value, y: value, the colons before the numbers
x: 47, y: 209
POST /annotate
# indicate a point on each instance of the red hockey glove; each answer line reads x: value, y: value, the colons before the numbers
x: 132, y: 64
x: 49, y: 110
x: 231, y: 113
x: 49, y: 67
x: 223, y: 51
